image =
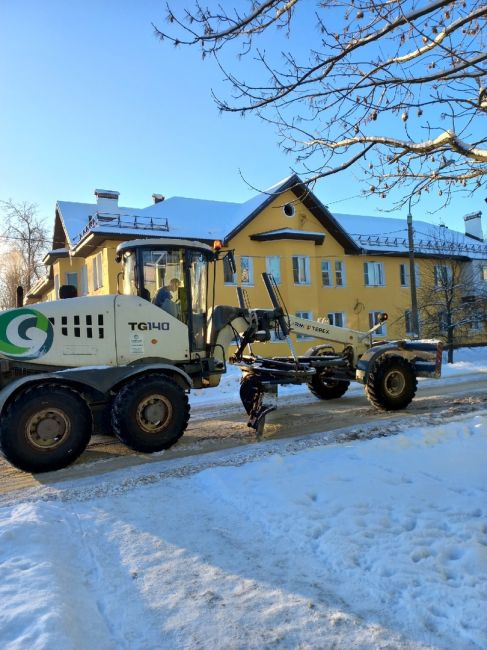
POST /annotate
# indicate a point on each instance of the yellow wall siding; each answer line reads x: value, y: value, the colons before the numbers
x: 354, y: 299
x: 110, y: 269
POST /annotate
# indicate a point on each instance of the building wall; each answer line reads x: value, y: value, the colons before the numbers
x: 97, y: 283
x: 354, y: 300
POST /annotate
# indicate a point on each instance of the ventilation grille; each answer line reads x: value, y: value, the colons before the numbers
x: 90, y: 326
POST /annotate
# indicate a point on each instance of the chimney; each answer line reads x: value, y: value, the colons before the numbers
x: 473, y: 225
x: 107, y: 200
x: 158, y: 198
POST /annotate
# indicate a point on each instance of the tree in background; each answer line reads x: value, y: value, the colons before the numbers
x: 24, y: 242
x: 452, y: 299
x: 11, y: 277
x: 396, y: 87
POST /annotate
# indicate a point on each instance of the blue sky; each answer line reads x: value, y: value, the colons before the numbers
x: 91, y: 99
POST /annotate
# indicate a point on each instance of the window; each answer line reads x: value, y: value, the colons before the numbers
x: 72, y: 279
x: 408, y: 322
x: 246, y: 270
x: 56, y: 287
x: 374, y: 274
x: 301, y: 269
x: 273, y: 267
x: 340, y: 274
x: 84, y: 280
x: 442, y: 321
x: 326, y: 280
x: 404, y: 274
x: 98, y: 271
x: 476, y: 323
x: 483, y: 273
x: 443, y: 275
x: 229, y: 277
x: 327, y: 273
x: 373, y: 320
x: 307, y: 315
x: 289, y: 210
x: 337, y: 318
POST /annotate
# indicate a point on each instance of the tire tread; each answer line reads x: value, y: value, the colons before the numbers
x: 373, y: 388
x: 118, y: 415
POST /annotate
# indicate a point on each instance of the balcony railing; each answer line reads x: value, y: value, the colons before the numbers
x: 124, y: 221
x: 431, y: 245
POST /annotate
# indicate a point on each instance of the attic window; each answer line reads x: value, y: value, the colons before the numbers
x: 289, y: 210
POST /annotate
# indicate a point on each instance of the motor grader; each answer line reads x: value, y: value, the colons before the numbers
x: 70, y: 366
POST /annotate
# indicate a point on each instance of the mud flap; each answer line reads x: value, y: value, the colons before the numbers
x: 258, y: 399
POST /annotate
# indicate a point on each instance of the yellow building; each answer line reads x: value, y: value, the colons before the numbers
x: 346, y: 268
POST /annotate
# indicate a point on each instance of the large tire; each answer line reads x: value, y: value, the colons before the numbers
x: 325, y: 387
x: 392, y: 384
x: 249, y: 388
x: 150, y: 413
x: 321, y: 384
x: 45, y: 428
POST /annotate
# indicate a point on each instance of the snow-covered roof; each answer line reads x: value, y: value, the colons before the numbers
x: 76, y: 216
x: 390, y: 235
x: 185, y: 217
x: 206, y: 220
x: 40, y: 284
x: 195, y: 218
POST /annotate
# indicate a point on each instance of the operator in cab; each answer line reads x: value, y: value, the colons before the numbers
x: 167, y: 298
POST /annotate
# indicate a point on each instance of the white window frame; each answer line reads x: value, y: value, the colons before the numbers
x: 439, y: 275
x: 442, y: 321
x: 476, y: 325
x: 98, y: 271
x: 335, y: 316
x: 374, y: 275
x: 326, y: 276
x: 382, y: 331
x: 404, y: 275
x: 408, y: 322
x: 271, y: 261
x: 308, y: 315
x: 340, y: 277
x: 302, y: 268
x: 246, y: 270
x: 84, y: 280
x: 69, y: 277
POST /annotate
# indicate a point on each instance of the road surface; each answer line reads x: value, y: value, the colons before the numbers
x: 223, y: 426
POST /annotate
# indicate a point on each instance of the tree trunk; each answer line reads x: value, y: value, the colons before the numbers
x: 449, y: 344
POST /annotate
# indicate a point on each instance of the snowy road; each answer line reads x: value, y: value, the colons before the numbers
x: 220, y: 426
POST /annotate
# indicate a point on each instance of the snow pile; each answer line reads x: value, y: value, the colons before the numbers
x: 373, y: 544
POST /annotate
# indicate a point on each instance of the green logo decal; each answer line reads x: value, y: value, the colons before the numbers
x: 25, y: 334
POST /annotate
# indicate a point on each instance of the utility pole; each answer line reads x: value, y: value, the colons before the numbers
x: 412, y: 275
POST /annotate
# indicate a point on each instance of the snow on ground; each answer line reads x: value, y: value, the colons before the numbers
x: 377, y: 543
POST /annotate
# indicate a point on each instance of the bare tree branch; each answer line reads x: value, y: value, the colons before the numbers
x: 371, y: 70
x: 24, y: 239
